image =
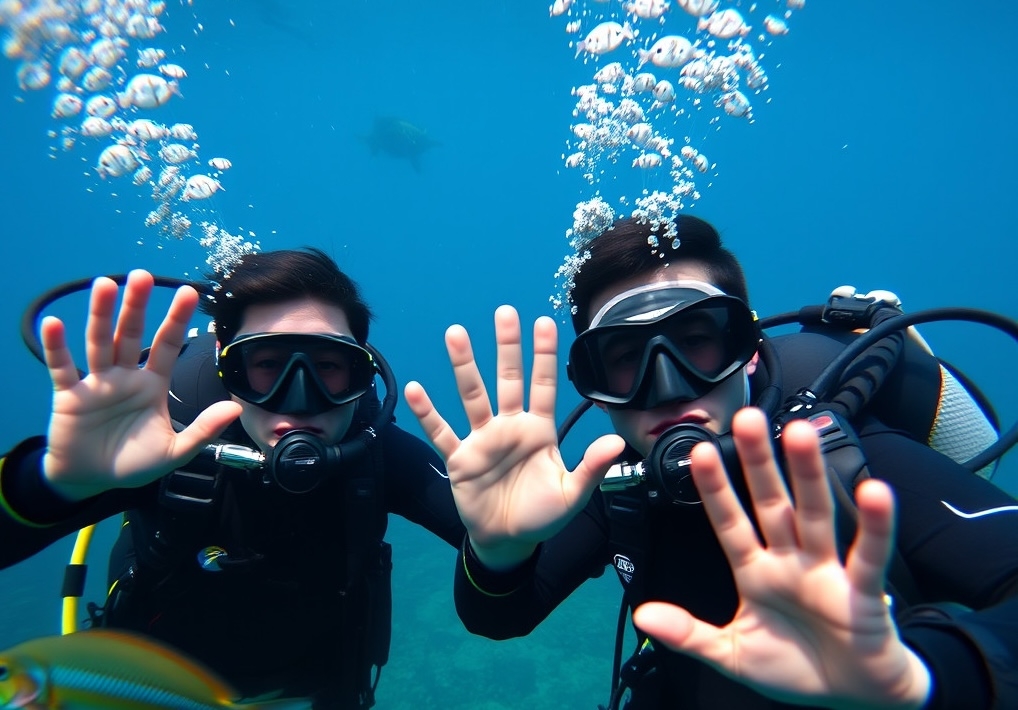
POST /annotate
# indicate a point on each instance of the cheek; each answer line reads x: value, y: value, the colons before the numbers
x: 628, y: 423
x: 253, y: 420
x: 337, y: 422
x: 729, y: 398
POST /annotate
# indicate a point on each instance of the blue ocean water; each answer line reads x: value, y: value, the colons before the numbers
x: 883, y: 158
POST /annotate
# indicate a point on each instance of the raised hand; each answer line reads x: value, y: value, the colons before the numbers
x: 808, y: 630
x: 510, y: 484
x: 112, y: 428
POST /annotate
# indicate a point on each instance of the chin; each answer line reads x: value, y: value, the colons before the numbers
x: 714, y: 428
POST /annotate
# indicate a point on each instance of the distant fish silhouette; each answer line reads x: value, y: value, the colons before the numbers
x: 279, y: 16
x: 400, y: 139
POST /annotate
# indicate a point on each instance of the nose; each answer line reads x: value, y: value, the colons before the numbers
x: 302, y: 396
x: 667, y: 383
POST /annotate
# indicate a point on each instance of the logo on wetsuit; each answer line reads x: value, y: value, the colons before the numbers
x: 625, y: 568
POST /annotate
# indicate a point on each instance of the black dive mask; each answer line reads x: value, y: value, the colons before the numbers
x: 666, y: 471
x: 660, y: 343
x: 296, y: 373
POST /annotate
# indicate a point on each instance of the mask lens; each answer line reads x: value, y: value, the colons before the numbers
x: 257, y: 367
x: 706, y: 341
x: 621, y: 357
x: 703, y: 339
x: 266, y: 363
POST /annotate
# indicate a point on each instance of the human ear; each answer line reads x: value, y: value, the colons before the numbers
x: 751, y: 365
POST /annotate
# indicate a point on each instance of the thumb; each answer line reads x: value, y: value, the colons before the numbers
x: 204, y: 429
x: 669, y: 624
x: 597, y: 459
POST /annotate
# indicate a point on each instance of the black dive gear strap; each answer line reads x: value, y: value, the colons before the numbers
x: 638, y: 668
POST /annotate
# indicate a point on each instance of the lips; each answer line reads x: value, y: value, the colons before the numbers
x: 688, y: 418
x: 280, y: 431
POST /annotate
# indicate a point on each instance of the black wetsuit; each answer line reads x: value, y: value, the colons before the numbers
x: 973, y: 562
x: 275, y: 619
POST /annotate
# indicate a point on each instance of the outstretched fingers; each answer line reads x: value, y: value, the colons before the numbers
x: 469, y: 383
x: 62, y: 370
x: 814, y: 506
x: 206, y: 427
x: 435, y: 427
x: 867, y: 560
x: 731, y: 524
x: 543, y: 378
x: 509, y: 379
x: 131, y: 322
x: 771, y: 502
x: 169, y: 338
x: 680, y: 631
x: 597, y: 459
x: 99, y: 327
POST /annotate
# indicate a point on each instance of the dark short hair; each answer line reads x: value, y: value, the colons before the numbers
x: 624, y: 251
x: 284, y: 275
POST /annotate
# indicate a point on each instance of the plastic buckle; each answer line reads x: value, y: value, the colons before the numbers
x: 189, y: 491
x: 848, y: 308
x: 797, y: 406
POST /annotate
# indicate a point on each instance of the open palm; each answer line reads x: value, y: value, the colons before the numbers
x: 808, y: 629
x: 112, y: 428
x: 509, y: 481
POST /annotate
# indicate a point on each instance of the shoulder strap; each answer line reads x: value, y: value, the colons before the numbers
x: 368, y: 573
x: 188, y: 505
x: 629, y: 532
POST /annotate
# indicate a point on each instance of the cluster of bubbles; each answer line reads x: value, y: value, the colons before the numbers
x: 100, y: 60
x: 659, y: 73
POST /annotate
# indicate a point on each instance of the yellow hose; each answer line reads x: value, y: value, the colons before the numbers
x: 69, y: 617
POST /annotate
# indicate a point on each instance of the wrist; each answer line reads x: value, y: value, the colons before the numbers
x: 912, y: 691
x: 25, y: 493
x: 920, y: 690
x: 70, y: 492
x: 502, y: 556
x: 494, y: 583
x: 916, y: 686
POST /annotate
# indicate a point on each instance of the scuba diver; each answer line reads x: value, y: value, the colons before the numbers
x: 874, y: 572
x: 255, y: 471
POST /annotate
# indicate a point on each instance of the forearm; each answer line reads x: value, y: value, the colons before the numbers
x: 32, y: 514
x: 503, y: 557
x: 417, y: 486
x: 26, y: 494
x: 498, y: 604
x: 504, y: 603
x: 972, y: 656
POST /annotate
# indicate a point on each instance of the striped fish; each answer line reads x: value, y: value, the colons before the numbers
x: 114, y: 670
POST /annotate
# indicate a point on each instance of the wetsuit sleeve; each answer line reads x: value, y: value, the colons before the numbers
x: 512, y: 603
x: 33, y: 515
x: 958, y: 535
x: 417, y: 487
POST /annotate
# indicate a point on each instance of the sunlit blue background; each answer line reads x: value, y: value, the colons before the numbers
x: 885, y: 159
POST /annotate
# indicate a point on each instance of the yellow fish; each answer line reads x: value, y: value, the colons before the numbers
x: 113, y: 670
